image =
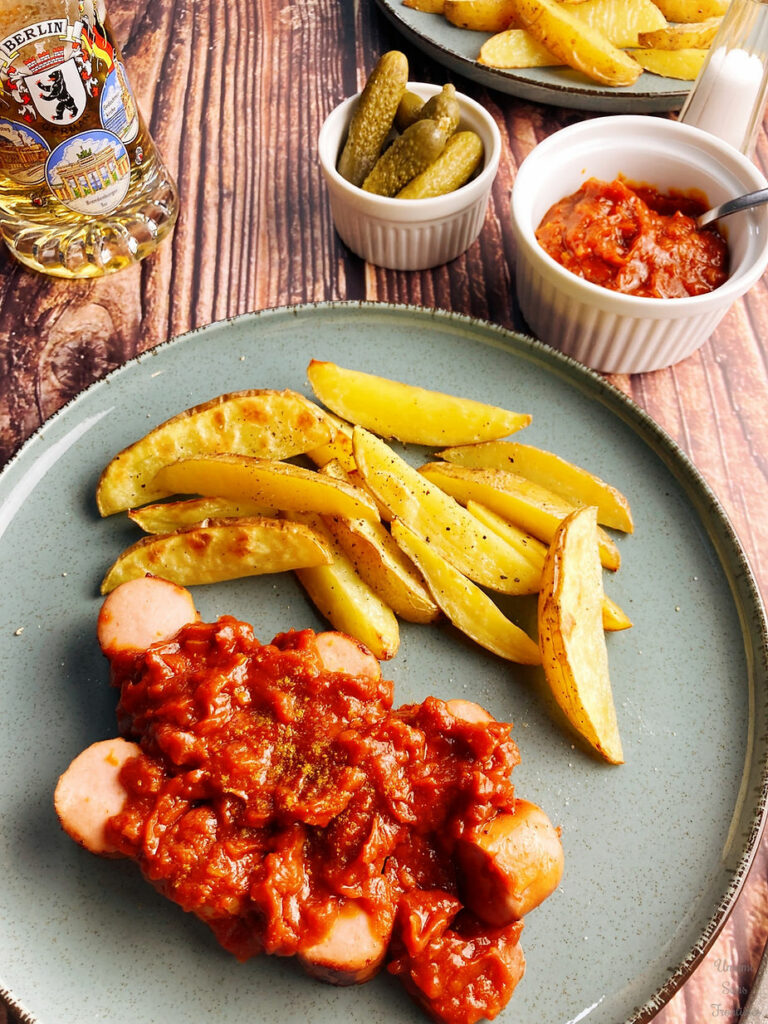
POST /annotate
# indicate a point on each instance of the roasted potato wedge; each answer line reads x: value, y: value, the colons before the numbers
x: 622, y: 22
x: 695, y: 35
x: 379, y: 560
x: 571, y: 637
x: 516, y: 48
x: 278, y: 484
x: 425, y: 6
x: 408, y: 413
x: 575, y: 42
x: 570, y: 482
x: 267, y: 424
x: 465, y: 604
x: 169, y: 516
x: 480, y: 15
x: 344, y: 598
x: 339, y: 447
x: 691, y: 10
x: 682, y: 64
x: 222, y: 550
x: 433, y: 514
x: 528, y: 505
x: 614, y: 617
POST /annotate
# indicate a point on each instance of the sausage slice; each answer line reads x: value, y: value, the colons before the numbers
x: 510, y: 865
x: 341, y: 653
x: 90, y: 792
x: 351, y: 951
x: 143, y: 612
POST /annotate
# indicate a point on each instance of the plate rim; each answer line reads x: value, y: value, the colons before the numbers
x: 664, y: 446
x: 573, y: 96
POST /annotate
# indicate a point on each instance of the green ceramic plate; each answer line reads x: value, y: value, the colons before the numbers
x: 458, y: 48
x: 656, y: 850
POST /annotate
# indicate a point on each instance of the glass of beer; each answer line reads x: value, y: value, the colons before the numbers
x: 83, y: 191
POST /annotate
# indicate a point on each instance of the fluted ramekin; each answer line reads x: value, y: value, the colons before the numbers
x: 604, y: 329
x: 409, y: 234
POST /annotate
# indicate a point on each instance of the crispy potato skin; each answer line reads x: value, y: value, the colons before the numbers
x: 264, y: 423
x: 571, y: 636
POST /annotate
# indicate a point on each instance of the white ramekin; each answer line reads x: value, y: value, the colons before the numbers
x: 409, y: 234
x: 607, y: 330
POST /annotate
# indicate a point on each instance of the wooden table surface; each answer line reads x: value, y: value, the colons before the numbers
x: 236, y: 93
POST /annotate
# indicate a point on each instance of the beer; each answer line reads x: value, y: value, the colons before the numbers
x: 83, y: 191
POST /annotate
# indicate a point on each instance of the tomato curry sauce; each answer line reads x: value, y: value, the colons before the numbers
x: 633, y: 239
x: 271, y: 794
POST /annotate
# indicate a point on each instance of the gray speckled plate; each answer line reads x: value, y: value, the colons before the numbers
x: 458, y: 49
x: 656, y: 849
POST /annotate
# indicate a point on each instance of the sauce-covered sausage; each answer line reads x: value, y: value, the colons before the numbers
x: 275, y: 792
x: 352, y: 949
x: 510, y: 865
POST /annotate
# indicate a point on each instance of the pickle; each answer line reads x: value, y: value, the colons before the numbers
x: 408, y: 110
x: 373, y: 118
x: 408, y: 156
x: 443, y: 107
x: 453, y: 168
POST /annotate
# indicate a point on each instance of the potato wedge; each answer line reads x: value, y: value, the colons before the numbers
x: 222, y: 550
x: 434, y: 515
x: 691, y: 10
x: 169, y: 516
x: 465, y: 604
x: 278, y: 484
x: 344, y: 598
x: 528, y: 505
x: 571, y: 637
x: 570, y: 482
x: 623, y: 22
x: 516, y: 48
x: 378, y: 559
x: 267, y: 424
x: 682, y: 64
x: 576, y: 43
x: 695, y: 35
x: 425, y: 6
x: 614, y: 617
x: 480, y: 15
x: 339, y: 447
x: 408, y: 413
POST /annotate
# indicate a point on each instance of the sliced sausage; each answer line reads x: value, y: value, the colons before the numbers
x: 351, y: 951
x: 468, y: 711
x: 90, y: 792
x: 341, y: 653
x: 142, y: 612
x: 510, y: 865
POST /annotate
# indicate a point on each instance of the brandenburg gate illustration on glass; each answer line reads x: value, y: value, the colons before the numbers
x: 90, y: 172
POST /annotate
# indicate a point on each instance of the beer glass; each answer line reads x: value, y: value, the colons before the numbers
x: 83, y: 191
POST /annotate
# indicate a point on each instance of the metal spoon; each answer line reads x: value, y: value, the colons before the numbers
x: 732, y: 206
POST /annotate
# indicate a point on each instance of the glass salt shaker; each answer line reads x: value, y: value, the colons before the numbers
x: 83, y: 190
x: 728, y: 96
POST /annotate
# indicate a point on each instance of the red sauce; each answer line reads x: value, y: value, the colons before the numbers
x: 634, y: 239
x: 270, y: 791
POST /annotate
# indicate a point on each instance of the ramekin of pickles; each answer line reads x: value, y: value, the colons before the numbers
x: 409, y: 168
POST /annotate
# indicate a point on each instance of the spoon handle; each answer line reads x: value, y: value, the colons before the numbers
x: 733, y: 206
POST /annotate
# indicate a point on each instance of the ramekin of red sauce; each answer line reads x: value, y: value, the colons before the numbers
x: 627, y: 286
